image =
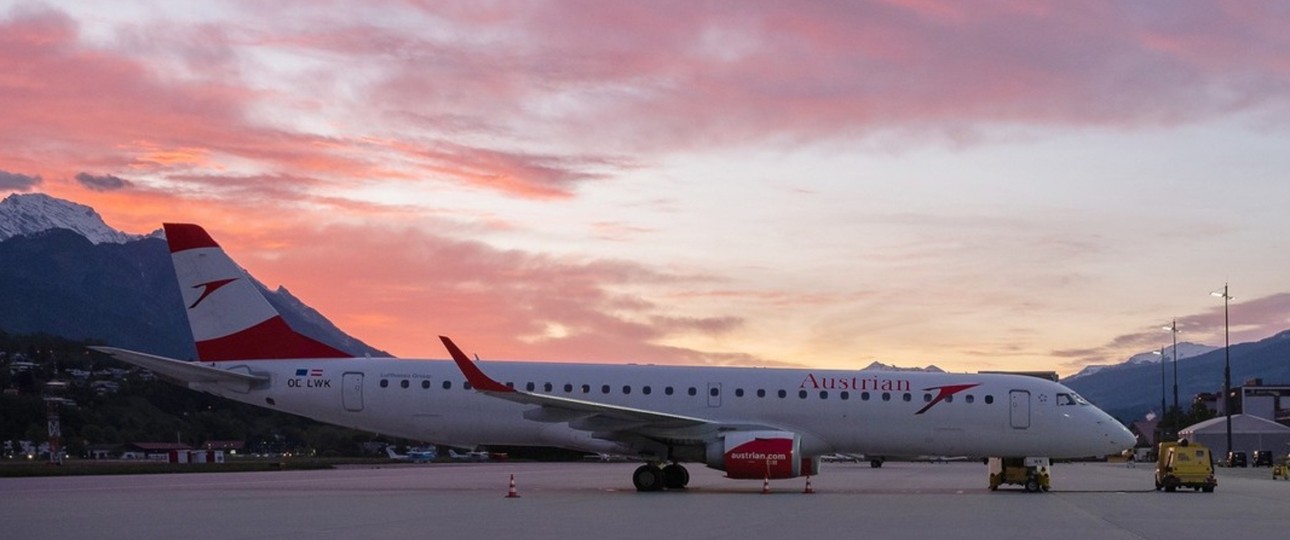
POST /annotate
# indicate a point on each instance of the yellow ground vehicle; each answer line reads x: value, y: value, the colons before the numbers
x: 1030, y: 472
x: 1184, y: 464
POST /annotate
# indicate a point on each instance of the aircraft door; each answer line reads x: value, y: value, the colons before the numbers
x: 1019, y: 407
x: 351, y: 393
x: 714, y: 394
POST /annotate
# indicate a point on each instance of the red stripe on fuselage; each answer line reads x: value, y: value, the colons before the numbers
x: 269, y: 339
x: 185, y: 236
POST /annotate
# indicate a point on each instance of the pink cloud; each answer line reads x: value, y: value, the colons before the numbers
x: 690, y: 73
x: 70, y: 107
x: 500, y: 303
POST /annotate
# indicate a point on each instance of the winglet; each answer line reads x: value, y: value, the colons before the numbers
x: 473, y: 374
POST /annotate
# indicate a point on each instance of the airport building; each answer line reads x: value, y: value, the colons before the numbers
x: 1271, y: 402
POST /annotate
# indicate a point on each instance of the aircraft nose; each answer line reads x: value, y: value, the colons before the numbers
x: 1119, y: 436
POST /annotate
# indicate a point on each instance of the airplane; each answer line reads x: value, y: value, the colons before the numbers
x: 751, y: 423
x: 415, y: 456
x: 468, y: 456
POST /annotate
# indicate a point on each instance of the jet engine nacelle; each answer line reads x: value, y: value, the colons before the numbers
x: 761, y: 454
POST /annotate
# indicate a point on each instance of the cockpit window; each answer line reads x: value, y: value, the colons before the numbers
x: 1070, y: 399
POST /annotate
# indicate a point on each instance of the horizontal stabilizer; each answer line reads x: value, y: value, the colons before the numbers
x: 189, y: 372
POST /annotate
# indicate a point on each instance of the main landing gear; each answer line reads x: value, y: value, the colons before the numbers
x: 653, y: 477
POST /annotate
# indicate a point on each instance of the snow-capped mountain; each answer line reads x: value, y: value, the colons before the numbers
x: 67, y: 273
x: 24, y: 214
x: 1186, y: 350
x: 879, y: 366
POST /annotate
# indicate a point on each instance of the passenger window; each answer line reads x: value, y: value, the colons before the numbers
x: 530, y: 387
x: 586, y: 388
x: 761, y: 392
x: 465, y: 385
x: 906, y: 397
x: 969, y: 398
x: 547, y: 387
x: 667, y: 390
x: 824, y: 394
x: 886, y: 396
x: 627, y: 389
x: 693, y: 391
x: 510, y: 384
x: 739, y: 392
x: 385, y: 383
x: 845, y: 395
x: 404, y: 383
x: 604, y: 389
x: 989, y: 399
x: 645, y: 390
x: 568, y: 388
x: 801, y: 394
x: 949, y: 399
x: 447, y: 385
x: 782, y: 394
x: 714, y: 391
x: 425, y: 384
x: 927, y: 398
x: 864, y: 396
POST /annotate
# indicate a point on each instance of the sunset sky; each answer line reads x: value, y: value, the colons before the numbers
x: 977, y: 185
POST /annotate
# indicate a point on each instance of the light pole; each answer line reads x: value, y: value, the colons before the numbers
x: 1160, y: 424
x: 1173, y: 327
x: 1227, y: 364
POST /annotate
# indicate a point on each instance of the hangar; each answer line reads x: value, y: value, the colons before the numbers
x: 1249, y: 433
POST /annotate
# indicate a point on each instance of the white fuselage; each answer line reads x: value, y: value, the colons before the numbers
x: 833, y: 411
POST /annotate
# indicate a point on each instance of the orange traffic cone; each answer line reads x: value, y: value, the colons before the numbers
x: 809, y: 490
x: 512, y: 494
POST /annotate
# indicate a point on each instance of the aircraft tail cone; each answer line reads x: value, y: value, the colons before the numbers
x: 809, y: 490
x: 511, y: 493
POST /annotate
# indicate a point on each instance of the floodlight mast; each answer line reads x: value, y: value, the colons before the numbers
x: 1227, y: 363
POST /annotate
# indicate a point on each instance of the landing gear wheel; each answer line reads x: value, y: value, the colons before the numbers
x: 875, y: 463
x: 1032, y: 486
x: 675, y: 476
x: 648, y: 478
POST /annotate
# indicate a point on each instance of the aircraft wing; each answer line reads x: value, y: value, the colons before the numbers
x: 193, y: 373
x: 593, y: 416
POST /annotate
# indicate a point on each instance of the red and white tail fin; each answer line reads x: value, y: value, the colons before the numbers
x: 229, y: 317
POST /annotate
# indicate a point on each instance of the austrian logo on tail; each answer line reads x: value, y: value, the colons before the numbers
x: 210, y: 287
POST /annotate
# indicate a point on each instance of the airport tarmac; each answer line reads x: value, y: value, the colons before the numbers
x: 595, y: 500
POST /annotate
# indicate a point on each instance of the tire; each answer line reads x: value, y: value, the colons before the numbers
x: 675, y: 476
x: 648, y: 478
x: 1032, y: 486
x: 875, y: 463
